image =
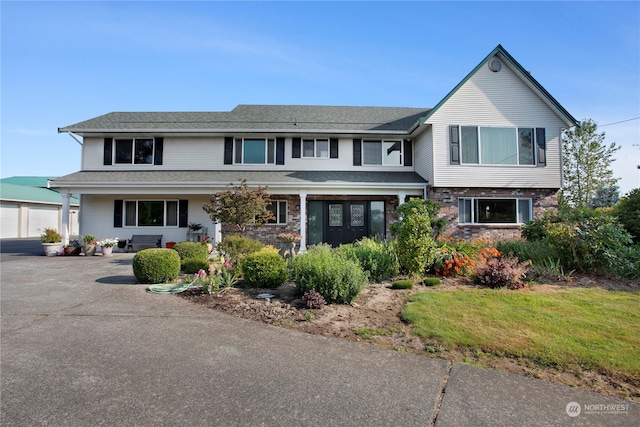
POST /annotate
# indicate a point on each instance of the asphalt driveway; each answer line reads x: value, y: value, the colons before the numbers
x: 83, y: 344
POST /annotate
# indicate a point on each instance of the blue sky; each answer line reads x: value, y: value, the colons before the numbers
x: 65, y: 62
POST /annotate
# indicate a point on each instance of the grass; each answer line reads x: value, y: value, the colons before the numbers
x: 593, y: 328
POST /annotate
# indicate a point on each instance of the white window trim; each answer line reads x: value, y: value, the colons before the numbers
x: 473, y: 210
x: 286, y: 212
x: 517, y: 128
x: 133, y: 148
x: 266, y: 151
x: 124, y: 213
x: 315, y: 147
x: 384, y: 156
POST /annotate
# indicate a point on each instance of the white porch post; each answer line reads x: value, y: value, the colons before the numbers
x: 66, y: 202
x: 217, y: 233
x: 401, y: 196
x: 303, y: 221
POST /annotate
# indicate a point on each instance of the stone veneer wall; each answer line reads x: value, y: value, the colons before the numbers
x: 542, y: 199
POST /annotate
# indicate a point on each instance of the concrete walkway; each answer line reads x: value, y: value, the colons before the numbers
x: 82, y: 345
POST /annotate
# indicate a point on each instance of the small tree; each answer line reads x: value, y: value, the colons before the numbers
x: 416, y: 245
x: 586, y: 165
x: 240, y: 207
x: 628, y: 212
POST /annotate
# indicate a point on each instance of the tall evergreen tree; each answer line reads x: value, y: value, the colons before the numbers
x: 586, y: 165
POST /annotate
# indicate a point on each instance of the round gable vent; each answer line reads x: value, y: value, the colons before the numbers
x: 495, y: 65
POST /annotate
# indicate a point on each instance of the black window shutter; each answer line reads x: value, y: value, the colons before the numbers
x: 408, y: 152
x: 541, y: 140
x: 228, y: 150
x: 117, y: 213
x: 108, y: 147
x: 183, y: 213
x: 157, y: 156
x: 280, y: 151
x: 357, y: 152
x: 295, y: 148
x: 333, y: 148
x: 454, y: 143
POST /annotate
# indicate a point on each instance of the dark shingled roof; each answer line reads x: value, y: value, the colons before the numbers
x: 270, y: 118
x: 217, y: 178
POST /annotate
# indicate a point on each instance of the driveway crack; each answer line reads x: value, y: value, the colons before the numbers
x: 443, y: 388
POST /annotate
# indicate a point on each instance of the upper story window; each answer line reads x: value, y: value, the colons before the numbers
x: 318, y: 148
x: 255, y: 151
x: 138, y: 151
x: 497, y: 145
x: 376, y: 152
x: 494, y: 211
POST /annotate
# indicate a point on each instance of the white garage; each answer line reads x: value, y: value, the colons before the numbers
x: 27, y: 207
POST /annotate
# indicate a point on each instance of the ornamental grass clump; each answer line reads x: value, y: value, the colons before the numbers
x: 338, y: 279
x: 156, y: 265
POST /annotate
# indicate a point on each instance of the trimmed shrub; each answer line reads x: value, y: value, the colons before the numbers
x: 264, y: 269
x: 236, y: 248
x: 191, y: 250
x: 376, y: 257
x: 337, y: 279
x: 431, y: 281
x: 502, y: 272
x: 156, y: 265
x: 193, y: 265
x: 313, y: 300
x: 402, y: 284
x: 416, y: 246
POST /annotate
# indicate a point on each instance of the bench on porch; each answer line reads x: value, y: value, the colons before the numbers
x: 144, y: 241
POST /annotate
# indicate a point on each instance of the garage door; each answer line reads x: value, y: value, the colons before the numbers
x: 41, y: 218
x: 9, y: 215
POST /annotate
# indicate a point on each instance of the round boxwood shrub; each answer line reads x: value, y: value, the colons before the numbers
x: 156, y: 265
x: 187, y: 250
x: 402, y: 284
x: 193, y: 265
x: 431, y: 281
x: 264, y: 269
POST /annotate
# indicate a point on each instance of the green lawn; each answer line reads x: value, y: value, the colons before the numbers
x: 594, y: 328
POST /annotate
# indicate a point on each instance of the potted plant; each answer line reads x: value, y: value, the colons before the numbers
x: 288, y: 244
x: 51, y: 242
x: 194, y: 226
x: 72, y: 248
x: 207, y: 241
x: 89, y: 244
x: 170, y: 245
x: 107, y: 246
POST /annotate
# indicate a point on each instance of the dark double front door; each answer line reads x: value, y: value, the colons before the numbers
x: 344, y: 221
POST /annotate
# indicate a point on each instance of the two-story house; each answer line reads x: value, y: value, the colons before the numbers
x: 489, y: 152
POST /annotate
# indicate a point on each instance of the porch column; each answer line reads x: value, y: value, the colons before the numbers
x: 401, y: 196
x: 217, y: 233
x: 303, y: 221
x: 66, y: 202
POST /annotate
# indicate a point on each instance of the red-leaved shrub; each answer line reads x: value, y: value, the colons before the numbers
x: 502, y: 272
